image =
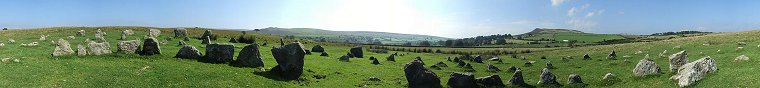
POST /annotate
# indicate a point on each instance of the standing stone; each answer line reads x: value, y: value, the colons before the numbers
x: 324, y: 54
x: 357, y: 52
x: 391, y: 58
x: 94, y: 48
x: 547, y: 78
x: 375, y: 62
x: 456, y: 59
x: 517, y: 79
x: 81, y: 50
x: 478, y: 59
x: 154, y: 33
x: 128, y: 47
x: 218, y: 53
x: 462, y: 80
x: 80, y: 33
x: 344, y: 58
x: 690, y: 73
x: 188, y: 52
x: 207, y: 34
x: 612, y: 55
x: 62, y: 48
x: 289, y: 60
x: 512, y: 69
x: 100, y: 37
x: 150, y: 47
x: 493, y: 68
x: 677, y: 60
x: 186, y: 39
x: 549, y: 65
x: 372, y: 58
x: 419, y: 77
x: 646, y: 67
x: 493, y: 81
x: 461, y: 63
x: 586, y: 57
x: 575, y: 79
x: 100, y: 32
x: 206, y: 40
x: 249, y: 57
x: 180, y: 32
x: 123, y: 36
x: 318, y: 48
x: 609, y: 79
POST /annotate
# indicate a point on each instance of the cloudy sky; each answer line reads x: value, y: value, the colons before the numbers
x: 447, y: 18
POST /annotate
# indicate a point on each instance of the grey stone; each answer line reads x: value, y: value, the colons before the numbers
x: 249, y: 57
x: 62, y: 48
x: 373, y: 79
x: 574, y: 79
x: 290, y: 60
x: 493, y: 81
x: 357, y: 52
x: 150, y: 47
x: 344, y: 58
x: 492, y: 68
x: 419, y: 77
x: 94, y: 48
x: 646, y: 67
x: 375, y: 62
x: 676, y: 60
x: 128, y: 47
x: 609, y: 79
x: 218, y: 53
x: 154, y: 33
x: 547, y: 78
x: 81, y: 50
x: 188, y: 52
x: 612, y: 55
x: 517, y: 79
x: 462, y: 80
x: 318, y: 48
x: 180, y: 32
x: 688, y: 74
x: 206, y: 40
x: 391, y: 58
x: 324, y: 54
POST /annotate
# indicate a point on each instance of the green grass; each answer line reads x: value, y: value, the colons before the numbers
x: 38, y: 69
x: 581, y: 37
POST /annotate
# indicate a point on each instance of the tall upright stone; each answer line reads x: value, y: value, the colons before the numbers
x: 206, y: 40
x: 290, y: 60
x: 154, y: 33
x: 81, y: 50
x: 180, y: 32
x: 517, y: 80
x: 612, y: 55
x: 420, y: 77
x: 547, y: 78
x: 150, y: 47
x: 218, y: 53
x: 249, y: 57
x: 357, y: 52
x: 62, y: 48
x: 677, y: 60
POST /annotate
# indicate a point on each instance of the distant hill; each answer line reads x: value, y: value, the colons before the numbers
x: 363, y: 37
x: 552, y: 31
x: 543, y: 34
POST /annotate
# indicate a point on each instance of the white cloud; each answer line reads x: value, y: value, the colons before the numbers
x: 592, y: 14
x: 582, y: 23
x: 585, y: 6
x: 571, y: 12
x: 556, y: 3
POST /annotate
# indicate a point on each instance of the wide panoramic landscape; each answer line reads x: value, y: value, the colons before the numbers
x: 379, y: 44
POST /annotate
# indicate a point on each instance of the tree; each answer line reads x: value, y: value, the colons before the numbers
x: 407, y: 44
x: 501, y: 41
x: 425, y: 43
x: 5, y: 28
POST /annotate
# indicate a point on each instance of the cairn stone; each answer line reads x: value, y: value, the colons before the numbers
x: 677, y: 60
x: 493, y: 68
x: 128, y: 47
x: 81, y: 50
x: 646, y: 67
x: 218, y: 53
x: 493, y: 81
x: 290, y: 60
x: 462, y: 80
x: 690, y: 73
x: 318, y: 48
x: 154, y: 33
x: 419, y: 77
x: 357, y: 52
x: 188, y: 52
x: 94, y: 48
x: 609, y: 79
x: 180, y: 32
x: 547, y: 78
x: 62, y: 48
x: 249, y: 57
x: 150, y: 47
x: 324, y: 54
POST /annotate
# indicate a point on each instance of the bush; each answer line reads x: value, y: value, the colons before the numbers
x: 249, y: 39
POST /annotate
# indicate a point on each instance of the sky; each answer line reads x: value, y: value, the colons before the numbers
x: 446, y: 18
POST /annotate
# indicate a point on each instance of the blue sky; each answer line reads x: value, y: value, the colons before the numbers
x: 448, y: 18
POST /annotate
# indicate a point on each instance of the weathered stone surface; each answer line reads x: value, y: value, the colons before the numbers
x: 512, y: 69
x: 289, y: 60
x: 81, y: 50
x: 218, y: 53
x: 493, y: 81
x: 646, y: 67
x: 741, y: 58
x: 609, y: 79
x: 62, y: 48
x: 324, y: 54
x: 357, y: 52
x: 154, y: 33
x: 81, y: 33
x: 547, y: 78
x: 206, y: 40
x: 690, y: 73
x: 574, y: 79
x: 249, y: 57
x: 100, y: 32
x: 549, y: 65
x: 128, y: 47
x: 478, y: 59
x: 207, y: 34
x: 180, y: 32
x: 391, y: 58
x: 372, y: 58
x: 677, y: 60
x: 344, y: 58
x: 150, y: 47
x: 317, y: 48
x: 419, y: 77
x: 375, y: 62
x: 492, y: 68
x: 188, y: 52
x: 441, y: 64
x: 462, y: 80
x: 517, y: 79
x: 100, y: 37
x: 94, y: 48
x: 586, y: 57
x: 612, y: 55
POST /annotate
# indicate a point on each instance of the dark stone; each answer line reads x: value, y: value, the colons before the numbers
x: 318, y: 48
x: 449, y: 59
x: 233, y: 40
x: 289, y: 60
x: 419, y: 77
x: 150, y: 47
x: 493, y: 68
x: 586, y: 57
x: 249, y: 57
x: 548, y: 79
x: 373, y: 79
x: 182, y: 43
x: 549, y: 65
x: 307, y: 52
x: 517, y: 80
x: 206, y: 40
x: 207, y: 34
x: 478, y: 59
x: 372, y: 58
x: 186, y: 38
x: 435, y: 67
x: 493, y: 81
x: 180, y: 32
x: 462, y: 80
x: 612, y: 55
x: 391, y: 58
x: 461, y: 63
x: 543, y: 57
x: 343, y: 58
x: 324, y: 54
x: 574, y: 79
x: 357, y: 52
x: 218, y: 53
x: 419, y: 59
x: 512, y: 69
x: 456, y: 59
x: 188, y: 52
x: 375, y: 62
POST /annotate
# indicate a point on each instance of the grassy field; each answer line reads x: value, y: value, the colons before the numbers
x: 581, y: 37
x: 37, y: 68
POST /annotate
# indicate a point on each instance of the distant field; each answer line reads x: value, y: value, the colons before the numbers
x: 581, y: 37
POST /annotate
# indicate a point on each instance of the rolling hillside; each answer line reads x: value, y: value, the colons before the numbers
x: 363, y: 37
x: 567, y: 34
